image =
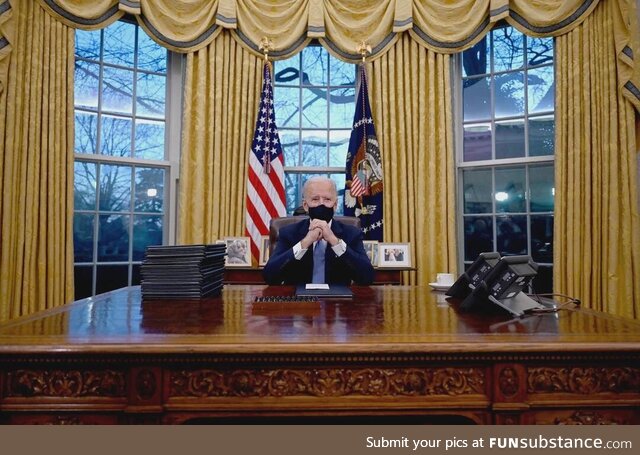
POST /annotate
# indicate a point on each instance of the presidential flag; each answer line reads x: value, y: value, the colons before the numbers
x: 363, y: 189
x: 265, y: 186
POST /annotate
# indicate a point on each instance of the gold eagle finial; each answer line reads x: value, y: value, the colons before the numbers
x: 266, y: 46
x: 364, y: 49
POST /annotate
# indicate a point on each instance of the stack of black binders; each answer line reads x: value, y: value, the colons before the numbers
x: 183, y: 271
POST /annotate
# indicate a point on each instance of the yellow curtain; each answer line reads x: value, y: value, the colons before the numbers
x: 222, y: 88
x: 597, y: 229
x: 36, y: 159
x: 411, y: 101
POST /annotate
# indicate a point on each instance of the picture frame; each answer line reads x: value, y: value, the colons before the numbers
x: 238, y: 252
x: 371, y: 248
x: 264, y: 250
x: 394, y: 255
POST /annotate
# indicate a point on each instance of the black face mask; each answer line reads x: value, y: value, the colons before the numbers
x: 321, y: 212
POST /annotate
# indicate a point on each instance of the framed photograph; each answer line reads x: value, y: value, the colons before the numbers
x: 264, y: 249
x: 238, y: 252
x: 394, y: 255
x: 371, y: 248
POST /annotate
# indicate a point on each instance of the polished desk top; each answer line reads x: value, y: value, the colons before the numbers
x: 378, y: 320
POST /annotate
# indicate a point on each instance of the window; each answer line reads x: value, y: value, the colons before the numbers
x: 122, y: 166
x: 314, y: 96
x: 505, y: 162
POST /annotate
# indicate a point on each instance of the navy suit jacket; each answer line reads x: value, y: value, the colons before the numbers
x: 353, y: 265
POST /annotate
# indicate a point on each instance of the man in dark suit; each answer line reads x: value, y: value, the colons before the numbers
x: 319, y: 249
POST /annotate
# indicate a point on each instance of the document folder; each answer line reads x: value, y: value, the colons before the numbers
x: 334, y: 291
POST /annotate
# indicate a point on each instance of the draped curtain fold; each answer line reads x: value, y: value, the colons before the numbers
x: 36, y: 165
x: 343, y: 25
x: 222, y: 88
x: 410, y: 93
x: 597, y: 226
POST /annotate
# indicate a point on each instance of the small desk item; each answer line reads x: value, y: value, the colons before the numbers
x: 286, y: 305
x: 328, y: 291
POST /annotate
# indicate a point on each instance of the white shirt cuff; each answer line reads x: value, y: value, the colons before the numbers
x: 298, y: 251
x: 340, y: 248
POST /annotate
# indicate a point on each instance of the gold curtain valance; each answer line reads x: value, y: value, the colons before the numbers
x: 443, y: 26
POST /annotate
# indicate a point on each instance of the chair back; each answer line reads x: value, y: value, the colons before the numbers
x: 278, y: 223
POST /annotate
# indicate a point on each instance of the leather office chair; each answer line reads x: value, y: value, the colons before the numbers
x: 278, y: 223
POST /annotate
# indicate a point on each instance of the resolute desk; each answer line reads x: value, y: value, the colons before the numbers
x: 392, y: 354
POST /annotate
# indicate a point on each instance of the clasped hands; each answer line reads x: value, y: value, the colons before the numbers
x: 319, y: 229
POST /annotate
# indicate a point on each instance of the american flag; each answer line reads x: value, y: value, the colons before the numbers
x: 265, y: 186
x: 363, y: 186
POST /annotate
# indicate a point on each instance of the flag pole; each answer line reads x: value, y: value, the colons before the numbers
x: 363, y: 49
x: 266, y: 45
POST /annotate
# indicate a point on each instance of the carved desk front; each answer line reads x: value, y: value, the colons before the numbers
x: 392, y: 354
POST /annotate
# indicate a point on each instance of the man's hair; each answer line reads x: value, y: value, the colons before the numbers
x: 318, y: 179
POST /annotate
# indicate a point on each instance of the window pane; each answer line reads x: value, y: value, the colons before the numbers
x: 512, y: 235
x: 116, y: 90
x: 86, y: 132
x: 340, y: 180
x: 477, y: 191
x: 88, y: 44
x: 338, y: 147
x: 476, y: 99
x: 83, y: 237
x: 508, y: 45
x: 150, y: 95
x: 151, y: 56
x: 541, y: 90
x: 342, y: 73
x: 543, y: 282
x: 510, y: 190
x: 510, y: 139
x: 314, y: 148
x: 539, y: 50
x: 83, y: 281
x: 478, y: 236
x: 147, y: 230
x: 287, y: 72
x: 119, y: 43
x: 314, y: 108
x: 86, y: 78
x: 106, y: 194
x: 113, y: 238
x: 314, y: 113
x: 290, y: 147
x: 477, y: 142
x: 542, y: 136
x: 136, y: 276
x: 315, y: 62
x: 542, y: 238
x: 509, y: 90
x: 287, y: 101
x: 149, y: 140
x: 501, y: 121
x: 110, y: 277
x: 115, y: 188
x: 116, y: 136
x: 149, y: 190
x: 343, y: 105
x: 292, y: 190
x: 84, y: 186
x: 477, y: 59
x: 541, y: 180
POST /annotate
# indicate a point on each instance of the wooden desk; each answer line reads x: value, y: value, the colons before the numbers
x: 252, y: 275
x: 394, y: 352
